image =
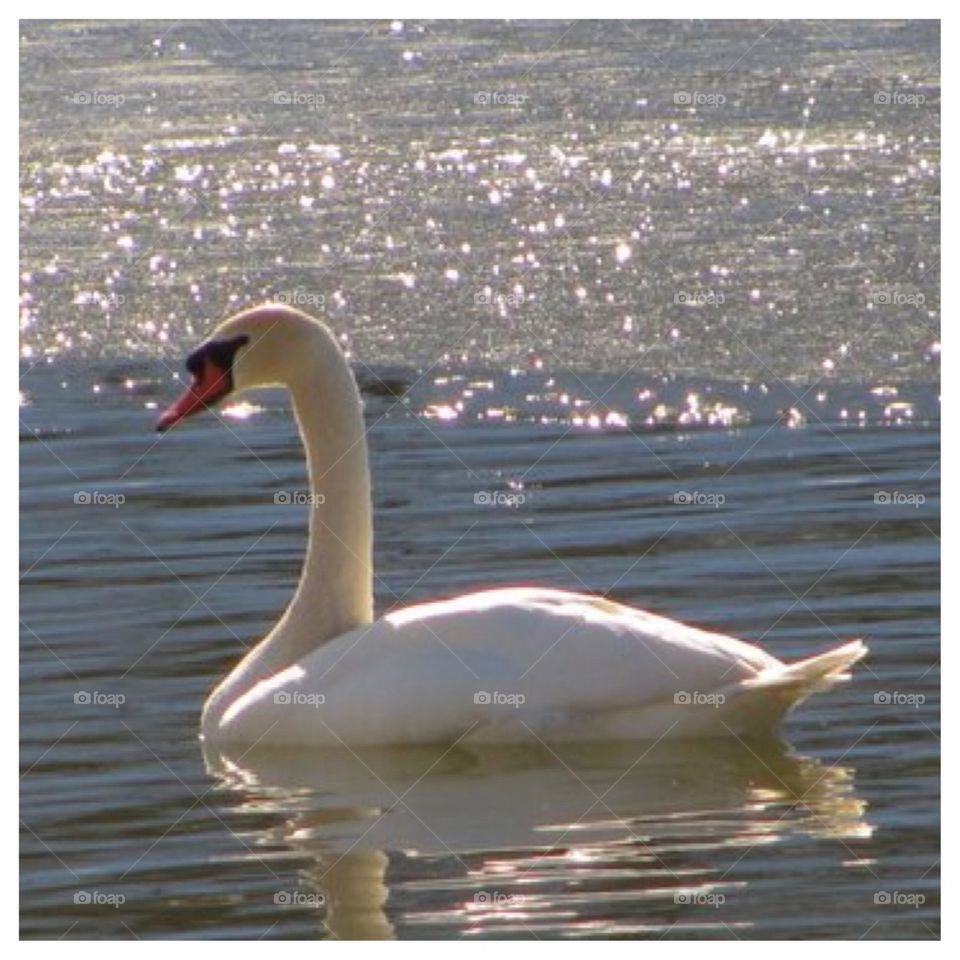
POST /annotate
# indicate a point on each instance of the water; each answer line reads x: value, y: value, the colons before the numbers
x: 687, y: 353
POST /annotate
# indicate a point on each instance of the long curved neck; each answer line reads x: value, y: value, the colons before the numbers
x: 335, y: 592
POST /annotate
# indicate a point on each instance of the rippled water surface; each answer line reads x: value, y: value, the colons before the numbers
x: 648, y: 309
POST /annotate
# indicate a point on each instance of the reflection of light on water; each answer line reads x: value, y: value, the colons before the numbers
x: 792, y: 418
x: 899, y: 412
x: 611, y: 420
x: 441, y: 412
x: 242, y: 410
x: 656, y: 856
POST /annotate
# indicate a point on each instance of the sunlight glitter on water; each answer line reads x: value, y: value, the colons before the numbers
x: 243, y: 410
x: 171, y: 206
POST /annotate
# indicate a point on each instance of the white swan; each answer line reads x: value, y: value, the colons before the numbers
x: 500, y: 665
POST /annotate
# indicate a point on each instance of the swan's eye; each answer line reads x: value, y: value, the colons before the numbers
x: 221, y: 352
x: 218, y: 352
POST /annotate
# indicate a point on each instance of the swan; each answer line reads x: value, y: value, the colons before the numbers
x: 501, y: 665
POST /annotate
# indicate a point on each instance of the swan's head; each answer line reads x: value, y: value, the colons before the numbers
x: 262, y: 347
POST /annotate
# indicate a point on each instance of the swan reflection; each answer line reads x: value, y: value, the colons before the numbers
x: 601, y: 839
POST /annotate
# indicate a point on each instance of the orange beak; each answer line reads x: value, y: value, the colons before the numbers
x: 209, y: 385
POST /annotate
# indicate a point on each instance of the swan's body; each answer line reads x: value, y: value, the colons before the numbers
x: 499, y: 665
x: 517, y: 664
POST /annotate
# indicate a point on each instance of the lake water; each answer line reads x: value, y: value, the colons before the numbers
x: 658, y: 304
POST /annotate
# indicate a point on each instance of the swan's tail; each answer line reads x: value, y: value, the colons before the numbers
x: 816, y: 673
x: 758, y: 704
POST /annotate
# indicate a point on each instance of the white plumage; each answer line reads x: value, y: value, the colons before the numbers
x: 504, y: 665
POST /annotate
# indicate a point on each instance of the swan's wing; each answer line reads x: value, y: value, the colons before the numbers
x: 432, y: 670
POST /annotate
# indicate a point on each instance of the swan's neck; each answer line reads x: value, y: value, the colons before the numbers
x: 335, y: 593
